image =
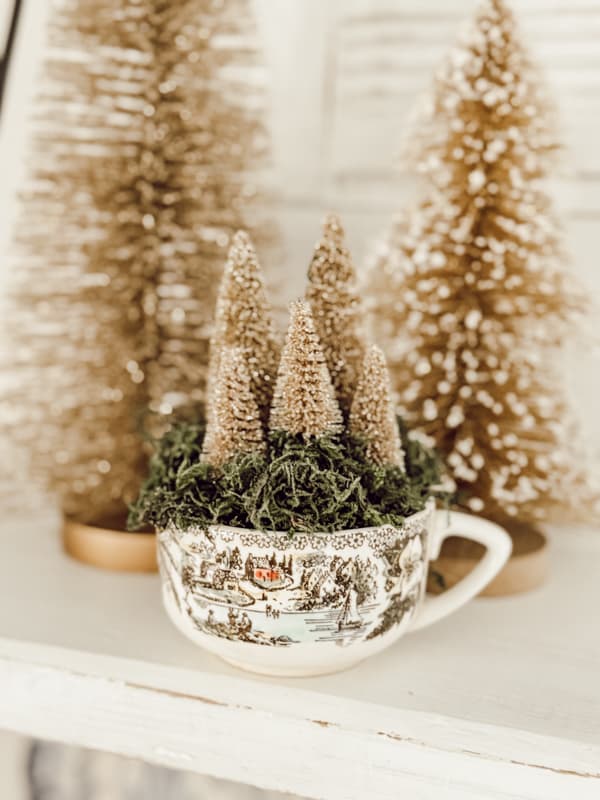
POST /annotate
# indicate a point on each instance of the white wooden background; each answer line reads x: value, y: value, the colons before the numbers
x: 345, y: 75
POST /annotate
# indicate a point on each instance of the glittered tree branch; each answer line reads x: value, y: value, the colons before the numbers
x: 372, y: 415
x: 304, y: 401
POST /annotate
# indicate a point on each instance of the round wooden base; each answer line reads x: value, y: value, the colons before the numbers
x: 109, y: 546
x: 526, y: 569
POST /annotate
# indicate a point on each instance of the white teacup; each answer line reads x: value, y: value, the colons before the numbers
x: 309, y: 604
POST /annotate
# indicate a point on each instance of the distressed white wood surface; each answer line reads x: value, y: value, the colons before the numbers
x: 499, y: 701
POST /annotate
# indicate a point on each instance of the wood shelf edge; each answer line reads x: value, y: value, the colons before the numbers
x: 193, y: 720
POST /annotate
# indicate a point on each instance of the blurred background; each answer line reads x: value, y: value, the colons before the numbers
x: 344, y: 78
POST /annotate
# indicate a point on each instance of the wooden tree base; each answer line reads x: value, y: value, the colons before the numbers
x: 526, y: 569
x: 108, y: 545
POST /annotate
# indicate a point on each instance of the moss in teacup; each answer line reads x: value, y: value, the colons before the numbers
x: 323, y: 485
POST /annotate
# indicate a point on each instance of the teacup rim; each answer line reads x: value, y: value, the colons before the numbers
x: 426, y: 510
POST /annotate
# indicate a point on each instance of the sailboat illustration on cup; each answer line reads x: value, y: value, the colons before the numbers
x: 349, y: 617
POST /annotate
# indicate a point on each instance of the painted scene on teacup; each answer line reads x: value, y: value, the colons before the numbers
x: 246, y: 588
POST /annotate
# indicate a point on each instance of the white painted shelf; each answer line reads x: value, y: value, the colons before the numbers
x: 502, y: 700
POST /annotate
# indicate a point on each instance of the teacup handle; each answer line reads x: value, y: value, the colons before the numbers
x: 492, y: 536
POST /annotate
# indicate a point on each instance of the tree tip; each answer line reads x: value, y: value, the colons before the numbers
x: 374, y: 354
x: 241, y: 241
x: 301, y: 317
x: 332, y: 226
x: 241, y: 252
x: 300, y: 307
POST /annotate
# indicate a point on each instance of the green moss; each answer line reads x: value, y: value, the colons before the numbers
x: 325, y: 485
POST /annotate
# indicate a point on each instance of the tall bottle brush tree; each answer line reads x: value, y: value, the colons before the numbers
x: 243, y: 320
x: 469, y: 296
x: 335, y: 303
x: 147, y: 138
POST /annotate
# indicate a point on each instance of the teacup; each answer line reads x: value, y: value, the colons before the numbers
x: 310, y: 604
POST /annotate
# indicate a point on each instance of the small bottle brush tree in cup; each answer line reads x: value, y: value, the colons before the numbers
x: 372, y: 414
x: 468, y: 294
x: 336, y: 308
x: 304, y: 403
x: 311, y: 468
x: 234, y: 425
x: 243, y: 320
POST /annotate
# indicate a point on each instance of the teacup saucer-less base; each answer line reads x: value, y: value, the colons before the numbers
x: 527, y: 568
x: 109, y: 546
x: 292, y: 673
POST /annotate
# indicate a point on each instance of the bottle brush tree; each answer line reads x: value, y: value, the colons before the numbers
x: 234, y: 423
x: 470, y: 297
x: 304, y: 401
x: 373, y: 415
x: 335, y: 304
x: 243, y: 320
x: 147, y: 136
